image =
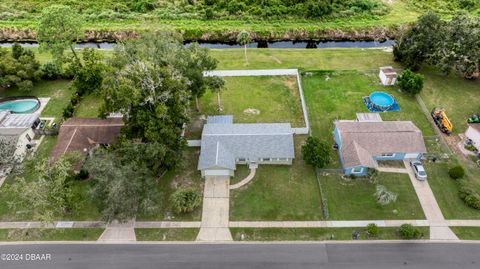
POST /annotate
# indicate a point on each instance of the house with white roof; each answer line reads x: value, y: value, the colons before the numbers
x: 18, y: 129
x: 473, y: 133
x: 225, y: 144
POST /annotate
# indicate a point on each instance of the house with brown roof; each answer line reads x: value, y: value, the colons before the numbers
x: 84, y: 134
x: 361, y: 144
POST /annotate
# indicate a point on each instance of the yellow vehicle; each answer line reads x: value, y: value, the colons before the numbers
x: 442, y: 121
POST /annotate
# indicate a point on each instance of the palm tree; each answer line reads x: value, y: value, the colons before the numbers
x: 243, y: 38
x: 216, y: 85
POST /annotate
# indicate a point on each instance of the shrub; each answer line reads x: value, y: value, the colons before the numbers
x: 407, y: 231
x: 185, y: 200
x: 25, y: 86
x: 316, y: 152
x: 50, y: 71
x: 68, y: 111
x: 410, y: 82
x: 470, y: 197
x: 456, y: 172
x: 372, y: 229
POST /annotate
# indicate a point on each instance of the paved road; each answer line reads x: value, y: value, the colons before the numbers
x: 265, y: 256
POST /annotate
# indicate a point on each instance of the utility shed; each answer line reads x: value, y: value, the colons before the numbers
x: 388, y: 76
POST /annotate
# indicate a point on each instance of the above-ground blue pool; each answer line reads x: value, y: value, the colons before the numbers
x: 24, y: 105
x: 381, y: 100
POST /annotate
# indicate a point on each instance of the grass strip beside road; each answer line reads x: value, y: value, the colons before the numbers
x: 166, y: 234
x: 71, y: 234
x: 316, y: 234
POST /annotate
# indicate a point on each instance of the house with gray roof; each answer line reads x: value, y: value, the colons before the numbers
x: 225, y: 144
x: 361, y: 144
x: 18, y: 130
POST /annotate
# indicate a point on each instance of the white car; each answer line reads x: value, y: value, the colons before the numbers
x: 418, y: 169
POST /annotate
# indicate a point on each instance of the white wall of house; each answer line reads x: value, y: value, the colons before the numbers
x: 217, y: 172
x: 474, y: 135
x: 22, y: 142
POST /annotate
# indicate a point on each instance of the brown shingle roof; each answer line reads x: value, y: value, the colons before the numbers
x: 363, y: 140
x: 83, y: 134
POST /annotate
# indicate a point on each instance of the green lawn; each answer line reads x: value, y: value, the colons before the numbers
x: 276, y: 99
x: 315, y: 234
x: 446, y: 189
x: 460, y: 97
x: 338, y: 95
x: 467, y: 233
x: 187, y: 234
x: 74, y: 234
x: 89, y: 106
x: 186, y: 176
x: 317, y: 59
x: 353, y: 199
x: 279, y: 193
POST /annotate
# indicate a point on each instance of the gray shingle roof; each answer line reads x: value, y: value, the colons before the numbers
x: 220, y: 119
x: 363, y: 140
x: 222, y: 144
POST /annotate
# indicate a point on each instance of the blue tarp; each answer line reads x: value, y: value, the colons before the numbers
x: 373, y: 108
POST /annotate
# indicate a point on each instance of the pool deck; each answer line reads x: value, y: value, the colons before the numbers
x: 43, y: 103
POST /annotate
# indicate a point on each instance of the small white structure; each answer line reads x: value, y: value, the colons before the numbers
x: 18, y: 128
x: 388, y: 76
x: 473, y: 133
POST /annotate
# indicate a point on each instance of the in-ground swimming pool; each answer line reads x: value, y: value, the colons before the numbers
x: 382, y: 100
x: 29, y: 105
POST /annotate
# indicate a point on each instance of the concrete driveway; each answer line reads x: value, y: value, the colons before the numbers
x: 439, y: 229
x: 215, y: 212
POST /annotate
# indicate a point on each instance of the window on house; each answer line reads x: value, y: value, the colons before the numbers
x: 28, y: 137
x: 265, y: 159
x: 241, y: 159
x: 388, y: 154
x: 282, y: 159
x: 357, y: 170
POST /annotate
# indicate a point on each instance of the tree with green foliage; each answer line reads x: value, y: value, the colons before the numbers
x: 59, y: 28
x: 18, y: 68
x: 122, y: 187
x: 383, y: 196
x: 410, y: 82
x: 185, y: 200
x: 316, y: 152
x: 449, y: 45
x: 50, y: 194
x: 88, y: 77
x: 458, y: 48
x: 152, y: 81
x: 416, y: 45
x: 243, y: 38
x: 192, y: 62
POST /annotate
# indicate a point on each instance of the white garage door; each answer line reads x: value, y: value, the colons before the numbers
x: 217, y: 172
x: 411, y: 156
